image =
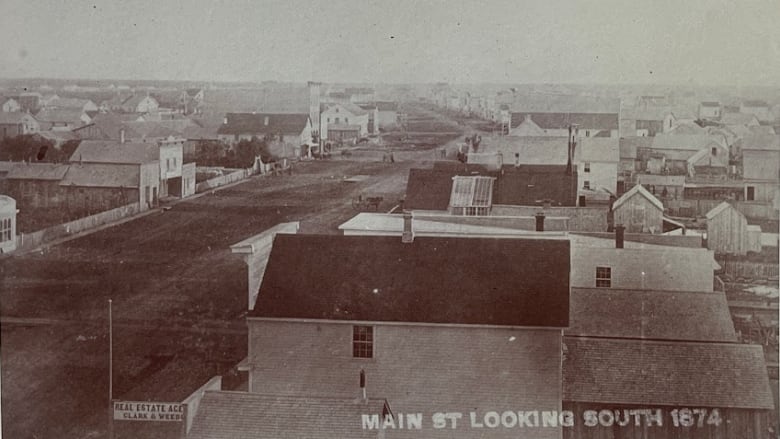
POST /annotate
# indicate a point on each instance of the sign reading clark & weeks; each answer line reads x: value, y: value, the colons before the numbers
x: 148, y: 411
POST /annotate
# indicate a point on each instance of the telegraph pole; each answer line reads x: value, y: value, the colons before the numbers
x: 110, y: 372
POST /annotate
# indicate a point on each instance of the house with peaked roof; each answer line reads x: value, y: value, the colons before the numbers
x: 728, y: 231
x: 639, y: 211
x: 669, y: 154
x: 139, y: 104
x: 352, y: 323
x: 288, y: 135
x: 9, y: 105
x: 17, y: 123
x: 528, y: 128
x: 343, y: 121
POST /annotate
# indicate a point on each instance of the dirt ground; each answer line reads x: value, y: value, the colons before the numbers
x: 178, y: 297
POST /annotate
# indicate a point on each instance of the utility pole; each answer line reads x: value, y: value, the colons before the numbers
x: 110, y: 372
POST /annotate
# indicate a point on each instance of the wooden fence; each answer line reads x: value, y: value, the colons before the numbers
x: 29, y: 241
x: 747, y: 269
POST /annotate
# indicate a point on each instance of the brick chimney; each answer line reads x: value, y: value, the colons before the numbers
x: 408, y: 235
x: 619, y: 235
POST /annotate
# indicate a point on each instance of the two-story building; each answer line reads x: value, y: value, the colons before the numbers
x: 709, y: 110
x: 343, y: 121
x: 383, y: 321
x: 761, y: 168
x: 597, y: 160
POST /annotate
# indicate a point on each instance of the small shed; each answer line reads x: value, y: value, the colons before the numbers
x: 7, y: 224
x: 639, y: 211
x: 728, y: 231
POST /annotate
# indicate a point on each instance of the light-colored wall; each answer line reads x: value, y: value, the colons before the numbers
x: 601, y: 175
x: 639, y: 215
x: 670, y: 268
x: 760, y: 164
x: 171, y: 160
x: 387, y: 119
x: 150, y: 177
x: 8, y: 212
x: 416, y: 368
x: 727, y: 233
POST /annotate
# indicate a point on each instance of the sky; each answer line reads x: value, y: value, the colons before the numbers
x: 702, y: 42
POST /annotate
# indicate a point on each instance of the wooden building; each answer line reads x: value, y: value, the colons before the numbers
x: 7, y: 224
x: 728, y: 231
x: 639, y: 211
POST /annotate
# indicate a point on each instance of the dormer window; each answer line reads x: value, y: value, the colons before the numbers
x: 471, y: 195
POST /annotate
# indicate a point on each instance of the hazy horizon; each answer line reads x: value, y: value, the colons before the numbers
x: 609, y: 42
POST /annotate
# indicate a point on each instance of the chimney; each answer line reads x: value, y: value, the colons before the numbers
x: 408, y: 236
x: 540, y: 221
x: 121, y: 135
x: 619, y: 235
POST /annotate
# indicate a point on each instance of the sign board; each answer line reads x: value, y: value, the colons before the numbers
x: 148, y: 411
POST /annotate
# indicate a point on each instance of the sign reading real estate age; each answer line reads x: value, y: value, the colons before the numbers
x: 148, y: 411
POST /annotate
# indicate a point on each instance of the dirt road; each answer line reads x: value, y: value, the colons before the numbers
x: 178, y: 297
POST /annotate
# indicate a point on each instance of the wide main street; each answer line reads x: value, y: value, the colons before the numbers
x: 179, y: 297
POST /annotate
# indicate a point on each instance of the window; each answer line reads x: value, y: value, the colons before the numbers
x: 471, y: 195
x: 604, y: 277
x: 5, y: 230
x: 586, y: 184
x: 587, y: 167
x: 346, y: 120
x: 587, y: 133
x: 328, y: 120
x: 337, y: 120
x: 714, y: 151
x: 363, y: 341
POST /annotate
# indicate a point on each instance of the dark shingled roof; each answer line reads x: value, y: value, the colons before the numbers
x: 506, y: 282
x: 669, y: 373
x: 645, y: 314
x: 524, y: 185
x: 429, y: 189
x: 530, y: 185
x: 238, y: 415
x: 254, y: 123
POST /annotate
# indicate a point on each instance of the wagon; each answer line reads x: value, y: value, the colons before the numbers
x: 363, y: 203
